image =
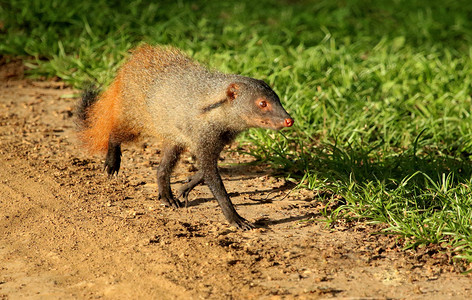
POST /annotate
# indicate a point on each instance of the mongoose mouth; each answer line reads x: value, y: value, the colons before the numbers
x: 277, y: 125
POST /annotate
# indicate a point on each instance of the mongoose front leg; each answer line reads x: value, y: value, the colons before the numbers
x: 214, y: 182
x: 170, y: 158
x: 208, y: 161
x: 185, y: 190
x: 113, y: 158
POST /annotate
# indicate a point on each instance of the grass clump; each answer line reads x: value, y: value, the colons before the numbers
x: 380, y: 90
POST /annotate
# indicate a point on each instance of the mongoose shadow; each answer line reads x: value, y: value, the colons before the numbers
x: 265, y: 196
x: 246, y: 173
x: 267, y: 222
x: 260, y: 201
x: 161, y: 92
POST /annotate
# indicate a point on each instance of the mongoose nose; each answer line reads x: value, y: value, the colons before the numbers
x: 288, y: 122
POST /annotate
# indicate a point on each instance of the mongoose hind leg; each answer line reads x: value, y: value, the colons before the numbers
x: 113, y: 158
x: 168, y: 162
x: 185, y: 190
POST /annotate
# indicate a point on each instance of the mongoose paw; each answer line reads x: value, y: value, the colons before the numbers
x: 242, y: 224
x: 183, y: 194
x: 111, y: 169
x: 113, y: 160
x: 170, y: 202
x: 191, y: 183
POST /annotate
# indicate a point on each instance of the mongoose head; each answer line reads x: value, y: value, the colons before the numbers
x: 258, y: 105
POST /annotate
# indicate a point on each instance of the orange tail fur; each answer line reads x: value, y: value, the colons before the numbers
x: 101, y: 118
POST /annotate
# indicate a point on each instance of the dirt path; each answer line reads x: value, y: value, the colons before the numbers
x: 67, y: 231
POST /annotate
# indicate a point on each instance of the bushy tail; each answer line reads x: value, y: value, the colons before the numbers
x: 89, y: 97
x: 97, y: 117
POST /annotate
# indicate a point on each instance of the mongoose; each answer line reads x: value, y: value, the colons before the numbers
x: 161, y: 92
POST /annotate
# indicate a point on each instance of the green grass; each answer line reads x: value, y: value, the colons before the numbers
x: 380, y: 90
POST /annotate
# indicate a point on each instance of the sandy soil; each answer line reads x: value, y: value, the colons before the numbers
x: 67, y: 231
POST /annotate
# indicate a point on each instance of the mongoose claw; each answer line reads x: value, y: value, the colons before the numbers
x: 183, y: 194
x: 243, y: 224
x: 191, y: 183
x: 170, y: 202
x: 110, y: 170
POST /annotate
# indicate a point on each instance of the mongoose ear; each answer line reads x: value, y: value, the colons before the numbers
x: 232, y: 91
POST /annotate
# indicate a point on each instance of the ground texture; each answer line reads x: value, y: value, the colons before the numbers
x: 68, y: 231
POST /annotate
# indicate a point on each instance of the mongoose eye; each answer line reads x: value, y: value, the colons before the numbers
x: 262, y: 103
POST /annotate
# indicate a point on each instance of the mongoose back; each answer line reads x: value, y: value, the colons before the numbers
x: 161, y: 92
